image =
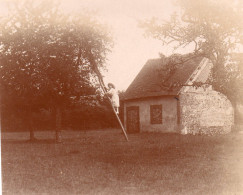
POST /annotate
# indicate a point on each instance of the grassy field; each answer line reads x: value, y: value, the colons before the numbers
x: 102, y: 162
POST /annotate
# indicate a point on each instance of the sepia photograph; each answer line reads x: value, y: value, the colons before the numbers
x: 103, y: 97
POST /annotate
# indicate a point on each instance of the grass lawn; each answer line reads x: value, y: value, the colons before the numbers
x: 102, y: 162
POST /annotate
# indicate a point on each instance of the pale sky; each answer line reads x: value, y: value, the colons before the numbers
x: 131, y: 49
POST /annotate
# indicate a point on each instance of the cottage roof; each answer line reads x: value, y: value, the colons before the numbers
x: 149, y: 81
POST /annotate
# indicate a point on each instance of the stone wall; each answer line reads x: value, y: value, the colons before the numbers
x: 205, y: 111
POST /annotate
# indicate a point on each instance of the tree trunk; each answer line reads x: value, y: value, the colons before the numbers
x: 30, y: 124
x: 58, y: 124
x: 32, y: 135
x: 236, y: 116
x: 233, y: 103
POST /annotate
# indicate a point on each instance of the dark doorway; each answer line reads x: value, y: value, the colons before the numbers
x: 133, y: 119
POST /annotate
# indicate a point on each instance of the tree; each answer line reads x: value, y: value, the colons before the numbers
x: 45, y: 56
x: 213, y: 29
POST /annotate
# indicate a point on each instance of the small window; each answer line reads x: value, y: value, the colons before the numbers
x: 156, y: 114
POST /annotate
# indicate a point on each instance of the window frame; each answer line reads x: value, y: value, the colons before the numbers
x: 159, y: 119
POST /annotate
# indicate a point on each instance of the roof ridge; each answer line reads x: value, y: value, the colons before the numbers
x: 147, y: 83
x: 196, y: 73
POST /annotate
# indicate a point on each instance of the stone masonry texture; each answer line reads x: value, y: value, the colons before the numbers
x: 205, y: 111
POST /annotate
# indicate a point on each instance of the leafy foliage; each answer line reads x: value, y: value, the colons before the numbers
x: 46, y: 54
x: 211, y: 29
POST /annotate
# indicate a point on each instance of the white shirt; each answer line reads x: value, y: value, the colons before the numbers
x: 114, y: 97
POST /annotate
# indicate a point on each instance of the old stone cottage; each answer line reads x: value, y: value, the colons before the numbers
x: 151, y: 106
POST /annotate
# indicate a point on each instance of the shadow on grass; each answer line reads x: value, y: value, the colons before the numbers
x: 35, y: 141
